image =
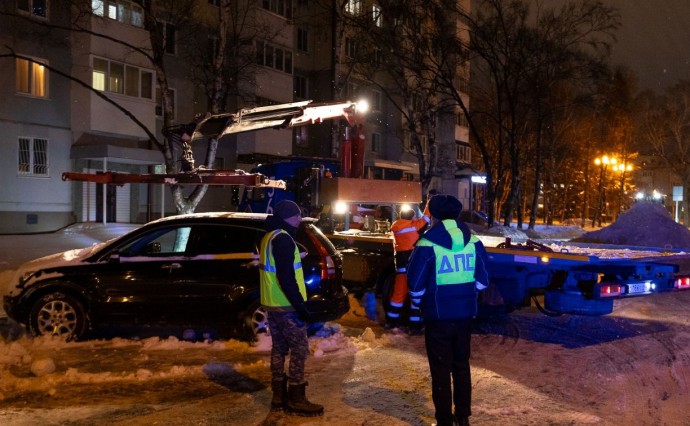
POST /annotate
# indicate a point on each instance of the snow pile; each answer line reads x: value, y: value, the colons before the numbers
x: 646, y: 225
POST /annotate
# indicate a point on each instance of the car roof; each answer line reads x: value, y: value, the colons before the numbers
x: 218, y: 216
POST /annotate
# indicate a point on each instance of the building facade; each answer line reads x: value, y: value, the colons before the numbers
x: 83, y: 97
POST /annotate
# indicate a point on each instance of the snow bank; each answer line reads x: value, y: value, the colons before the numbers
x: 644, y: 225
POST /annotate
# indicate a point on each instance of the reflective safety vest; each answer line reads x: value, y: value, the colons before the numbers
x: 406, y: 233
x: 271, y: 293
x: 455, y: 265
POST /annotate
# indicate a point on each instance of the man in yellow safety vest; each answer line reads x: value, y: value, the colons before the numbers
x: 283, y: 296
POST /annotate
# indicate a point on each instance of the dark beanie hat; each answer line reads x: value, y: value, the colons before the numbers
x: 444, y: 207
x: 287, y: 209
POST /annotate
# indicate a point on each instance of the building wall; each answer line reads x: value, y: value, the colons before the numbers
x: 34, y: 203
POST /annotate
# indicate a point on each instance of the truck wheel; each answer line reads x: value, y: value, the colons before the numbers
x: 58, y: 314
x: 576, y: 303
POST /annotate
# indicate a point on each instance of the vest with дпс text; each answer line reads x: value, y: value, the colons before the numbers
x: 454, y: 265
x: 271, y: 293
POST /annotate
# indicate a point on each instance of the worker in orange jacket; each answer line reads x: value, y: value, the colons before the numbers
x: 406, y: 232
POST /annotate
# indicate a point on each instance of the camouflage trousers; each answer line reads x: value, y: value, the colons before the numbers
x: 289, y: 337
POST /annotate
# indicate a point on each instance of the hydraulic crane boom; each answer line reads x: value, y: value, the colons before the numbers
x: 216, y: 126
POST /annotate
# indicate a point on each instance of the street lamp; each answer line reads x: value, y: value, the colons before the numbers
x: 617, y: 167
x: 622, y: 168
x: 603, y: 162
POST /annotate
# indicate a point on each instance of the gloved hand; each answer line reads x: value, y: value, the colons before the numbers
x: 479, y: 286
x: 303, y: 313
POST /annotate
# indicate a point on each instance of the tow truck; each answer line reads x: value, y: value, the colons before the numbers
x: 569, y: 283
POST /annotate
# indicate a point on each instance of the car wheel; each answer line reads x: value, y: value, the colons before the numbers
x: 58, y: 314
x: 256, y: 321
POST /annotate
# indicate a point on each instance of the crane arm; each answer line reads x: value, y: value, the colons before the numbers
x: 275, y: 116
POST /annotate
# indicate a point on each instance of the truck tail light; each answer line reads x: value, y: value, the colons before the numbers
x: 681, y: 283
x: 610, y: 290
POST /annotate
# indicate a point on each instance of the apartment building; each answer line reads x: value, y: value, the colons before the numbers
x: 71, y: 96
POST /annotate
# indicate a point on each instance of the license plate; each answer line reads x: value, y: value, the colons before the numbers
x: 638, y: 288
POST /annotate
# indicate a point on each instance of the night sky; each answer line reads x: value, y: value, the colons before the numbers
x: 654, y: 40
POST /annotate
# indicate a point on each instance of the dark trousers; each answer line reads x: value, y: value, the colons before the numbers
x: 288, y: 336
x: 448, y: 350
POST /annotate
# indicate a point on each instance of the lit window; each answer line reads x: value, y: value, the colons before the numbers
x: 33, y: 157
x: 37, y: 8
x: 377, y: 16
x: 125, y: 11
x: 121, y: 78
x: 353, y: 7
x: 32, y: 78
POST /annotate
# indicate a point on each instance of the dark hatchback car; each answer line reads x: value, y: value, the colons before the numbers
x: 196, y: 271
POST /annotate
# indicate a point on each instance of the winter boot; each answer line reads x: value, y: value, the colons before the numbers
x: 280, y: 393
x: 298, y: 404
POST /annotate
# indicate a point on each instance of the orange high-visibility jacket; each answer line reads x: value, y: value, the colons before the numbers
x: 406, y: 232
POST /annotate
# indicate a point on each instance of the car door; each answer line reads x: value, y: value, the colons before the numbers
x: 221, y: 273
x: 142, y: 281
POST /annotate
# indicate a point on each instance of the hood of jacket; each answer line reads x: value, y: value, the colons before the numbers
x: 438, y: 234
x: 274, y: 222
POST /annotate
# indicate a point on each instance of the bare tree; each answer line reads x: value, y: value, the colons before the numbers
x: 224, y: 68
x: 524, y: 51
x: 664, y: 125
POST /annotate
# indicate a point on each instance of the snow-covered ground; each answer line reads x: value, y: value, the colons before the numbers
x: 628, y: 368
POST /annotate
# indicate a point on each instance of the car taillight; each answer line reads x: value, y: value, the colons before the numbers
x: 327, y: 264
x: 327, y: 268
x: 681, y: 283
x: 610, y: 290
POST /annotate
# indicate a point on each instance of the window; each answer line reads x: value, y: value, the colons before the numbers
x: 377, y: 57
x: 279, y: 7
x: 273, y: 57
x: 167, y: 30
x: 376, y: 101
x: 38, y: 8
x: 159, y: 102
x: 462, y: 120
x: 376, y: 15
x: 121, y: 78
x: 125, y: 11
x: 376, y: 142
x: 300, y: 87
x: 32, y: 78
x: 352, y: 90
x: 159, y: 243
x: 353, y: 7
x: 407, y: 141
x: 211, y: 49
x: 302, y: 40
x: 464, y: 152
x: 350, y: 48
x: 33, y: 157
